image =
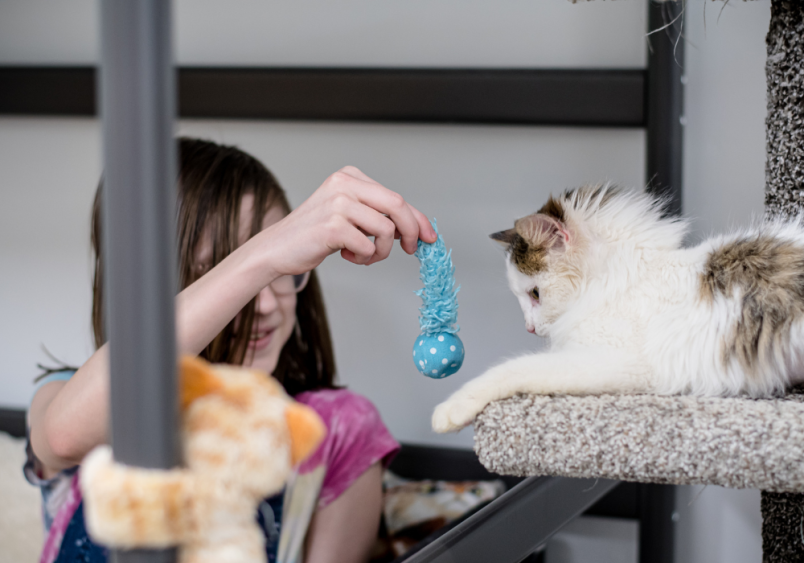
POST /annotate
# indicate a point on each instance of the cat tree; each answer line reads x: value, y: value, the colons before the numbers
x: 738, y: 443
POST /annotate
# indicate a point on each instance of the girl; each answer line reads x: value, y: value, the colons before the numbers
x: 249, y: 296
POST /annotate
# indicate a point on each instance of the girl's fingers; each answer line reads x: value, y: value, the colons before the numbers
x: 357, y: 173
x: 349, y: 256
x: 357, y: 247
x: 396, y: 208
x: 409, y: 223
x: 426, y: 231
x: 372, y: 223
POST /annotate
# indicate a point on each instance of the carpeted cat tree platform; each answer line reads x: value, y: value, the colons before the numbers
x: 739, y: 443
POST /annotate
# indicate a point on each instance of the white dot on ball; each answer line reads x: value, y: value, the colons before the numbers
x: 444, y: 361
x: 441, y: 338
x: 453, y: 365
x: 435, y: 371
x: 421, y: 342
x: 421, y: 363
x: 432, y: 350
x: 414, y: 352
x: 452, y: 349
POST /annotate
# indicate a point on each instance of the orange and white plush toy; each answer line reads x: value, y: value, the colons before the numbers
x: 242, y: 436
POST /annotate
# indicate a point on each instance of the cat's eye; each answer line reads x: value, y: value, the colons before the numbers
x: 534, y: 293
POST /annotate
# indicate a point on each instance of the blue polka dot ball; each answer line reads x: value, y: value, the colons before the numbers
x: 439, y: 355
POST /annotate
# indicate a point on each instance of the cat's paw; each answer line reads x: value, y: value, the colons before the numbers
x: 456, y: 413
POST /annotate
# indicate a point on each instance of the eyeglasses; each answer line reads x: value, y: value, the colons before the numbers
x: 287, y: 285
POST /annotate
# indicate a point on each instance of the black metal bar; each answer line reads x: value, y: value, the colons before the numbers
x: 621, y: 502
x: 517, y: 523
x: 443, y: 464
x: 418, y: 95
x: 69, y: 91
x: 612, y: 98
x: 12, y: 421
x: 665, y: 102
x: 657, y: 504
x: 664, y: 146
x: 137, y: 94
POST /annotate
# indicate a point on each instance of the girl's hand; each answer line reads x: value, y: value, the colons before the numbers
x: 342, y: 215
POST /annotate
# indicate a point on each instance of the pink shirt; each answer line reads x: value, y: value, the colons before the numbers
x: 356, y: 439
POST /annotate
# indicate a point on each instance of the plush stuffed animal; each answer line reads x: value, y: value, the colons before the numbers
x: 242, y: 436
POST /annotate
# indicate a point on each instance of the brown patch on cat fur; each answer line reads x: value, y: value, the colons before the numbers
x: 532, y: 236
x: 770, y: 275
x: 553, y: 208
x: 527, y: 258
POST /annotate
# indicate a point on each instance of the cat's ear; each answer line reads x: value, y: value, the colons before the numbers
x: 543, y: 230
x: 197, y: 379
x: 506, y: 238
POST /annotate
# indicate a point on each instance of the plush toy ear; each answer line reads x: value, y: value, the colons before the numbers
x: 197, y: 379
x: 542, y: 230
x: 306, y: 431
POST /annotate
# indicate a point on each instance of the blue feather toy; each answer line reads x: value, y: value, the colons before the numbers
x: 437, y: 352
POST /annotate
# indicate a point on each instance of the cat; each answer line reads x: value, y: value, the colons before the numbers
x: 603, y: 274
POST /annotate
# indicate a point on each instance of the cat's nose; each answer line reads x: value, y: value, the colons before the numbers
x: 531, y: 329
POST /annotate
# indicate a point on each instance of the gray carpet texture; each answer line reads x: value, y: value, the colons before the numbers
x: 740, y: 443
x: 784, y: 124
x: 783, y: 513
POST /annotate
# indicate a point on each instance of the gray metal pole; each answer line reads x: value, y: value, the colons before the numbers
x: 137, y: 95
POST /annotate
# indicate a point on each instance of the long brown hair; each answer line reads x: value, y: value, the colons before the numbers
x: 213, y: 179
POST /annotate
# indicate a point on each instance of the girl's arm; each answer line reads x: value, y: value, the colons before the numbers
x: 68, y: 419
x: 345, y: 530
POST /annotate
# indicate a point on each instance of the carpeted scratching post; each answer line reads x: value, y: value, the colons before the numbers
x: 783, y: 513
x: 739, y: 443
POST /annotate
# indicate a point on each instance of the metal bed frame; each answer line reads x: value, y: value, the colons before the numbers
x: 137, y: 94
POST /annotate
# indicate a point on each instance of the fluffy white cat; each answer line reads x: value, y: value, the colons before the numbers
x: 628, y: 310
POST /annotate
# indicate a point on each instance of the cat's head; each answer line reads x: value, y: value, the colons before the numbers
x: 543, y: 260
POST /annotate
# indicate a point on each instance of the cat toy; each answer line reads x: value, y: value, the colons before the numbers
x: 437, y: 352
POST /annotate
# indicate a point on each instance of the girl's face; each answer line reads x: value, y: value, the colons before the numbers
x: 275, y: 311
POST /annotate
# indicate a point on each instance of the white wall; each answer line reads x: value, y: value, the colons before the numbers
x: 724, y: 141
x: 473, y: 179
x: 512, y: 33
x: 48, y: 172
